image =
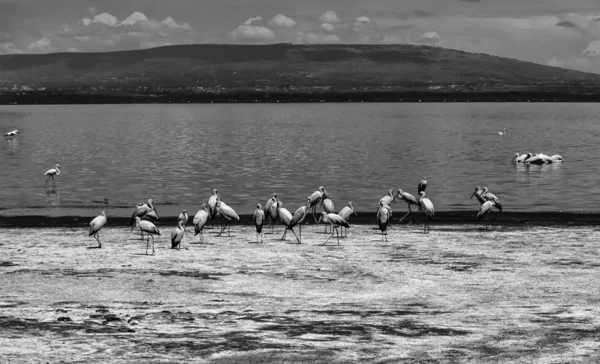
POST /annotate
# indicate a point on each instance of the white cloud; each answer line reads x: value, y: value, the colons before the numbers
x: 43, y: 45
x: 327, y: 27
x: 135, y: 18
x: 430, y: 38
x: 282, y: 21
x: 317, y: 38
x: 329, y: 17
x: 363, y: 19
x: 9, y: 48
x: 592, y: 50
x: 252, y: 31
x: 105, y: 18
x: 554, y: 62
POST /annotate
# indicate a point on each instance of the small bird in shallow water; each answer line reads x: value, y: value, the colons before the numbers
x: 96, y: 224
x: 503, y: 133
x: 52, y: 172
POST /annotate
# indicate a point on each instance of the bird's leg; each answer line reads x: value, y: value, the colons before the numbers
x: 292, y: 229
x: 98, y: 238
x: 314, y: 209
x: 300, y: 232
x: 331, y: 236
x: 153, y: 251
x: 147, y: 244
x: 48, y: 179
x: 408, y: 213
x: 228, y: 229
x: 337, y: 234
x: 284, y: 233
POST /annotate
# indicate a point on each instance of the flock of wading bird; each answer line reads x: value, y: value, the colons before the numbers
x: 274, y: 211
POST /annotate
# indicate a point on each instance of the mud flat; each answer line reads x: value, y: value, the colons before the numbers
x: 458, y: 295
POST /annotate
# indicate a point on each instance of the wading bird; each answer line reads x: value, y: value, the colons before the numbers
x: 388, y: 199
x: 150, y: 230
x: 328, y: 207
x: 336, y: 221
x: 485, y: 212
x: 96, y: 224
x: 228, y: 214
x: 177, y: 235
x: 200, y: 220
x: 383, y: 219
x: 488, y: 196
x: 274, y: 210
x: 267, y: 209
x: 144, y: 211
x: 286, y: 218
x: 520, y: 158
x: 409, y: 199
x: 212, y: 204
x: 345, y: 213
x: 477, y: 193
x: 315, y: 198
x: 52, y: 172
x: 183, y: 217
x: 503, y: 133
x: 422, y: 185
x: 259, y: 220
x: 12, y: 133
x: 427, y: 206
x: 298, y: 219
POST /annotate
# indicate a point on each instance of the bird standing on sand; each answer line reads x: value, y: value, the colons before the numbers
x: 409, y: 199
x: 259, y: 220
x: 183, y: 217
x: 177, y: 235
x: 200, y: 220
x: 228, y: 214
x: 286, y: 218
x: 422, y: 185
x: 96, y: 224
x: 144, y: 211
x: 274, y: 210
x: 52, y: 172
x: 267, y: 209
x: 315, y: 198
x: 503, y: 133
x: 336, y: 221
x: 485, y: 212
x: 150, y: 230
x: 328, y: 207
x: 345, y: 213
x: 488, y: 196
x: 212, y: 204
x: 387, y: 199
x: 383, y: 219
x: 427, y: 206
x: 298, y: 219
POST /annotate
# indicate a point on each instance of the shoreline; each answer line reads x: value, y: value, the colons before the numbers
x: 371, y: 96
x: 363, y: 218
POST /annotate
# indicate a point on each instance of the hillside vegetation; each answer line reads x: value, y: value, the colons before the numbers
x: 227, y: 69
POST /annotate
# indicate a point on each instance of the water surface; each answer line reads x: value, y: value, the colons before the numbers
x: 118, y: 155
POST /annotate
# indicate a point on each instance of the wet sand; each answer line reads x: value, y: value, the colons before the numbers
x: 525, y: 294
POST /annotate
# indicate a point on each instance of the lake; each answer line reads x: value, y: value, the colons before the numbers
x: 118, y: 155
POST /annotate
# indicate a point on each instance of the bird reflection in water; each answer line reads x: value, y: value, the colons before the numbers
x: 52, y: 197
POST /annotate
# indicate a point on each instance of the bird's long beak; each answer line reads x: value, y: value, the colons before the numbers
x: 472, y: 196
x: 513, y: 160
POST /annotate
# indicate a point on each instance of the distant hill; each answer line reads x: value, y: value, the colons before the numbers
x: 204, y: 72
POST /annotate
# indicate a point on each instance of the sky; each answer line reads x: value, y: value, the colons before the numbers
x: 563, y: 33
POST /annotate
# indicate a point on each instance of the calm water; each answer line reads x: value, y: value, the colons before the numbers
x: 118, y: 155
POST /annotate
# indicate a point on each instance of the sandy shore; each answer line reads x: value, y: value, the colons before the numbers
x: 458, y: 295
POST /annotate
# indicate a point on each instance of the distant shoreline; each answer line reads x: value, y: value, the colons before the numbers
x: 47, y: 98
x: 513, y: 219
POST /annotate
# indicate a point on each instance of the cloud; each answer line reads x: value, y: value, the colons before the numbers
x: 554, y: 62
x: 430, y: 38
x: 282, y: 21
x: 329, y: 17
x: 363, y: 30
x: 134, y: 18
x: 328, y: 27
x: 253, y: 31
x: 592, y: 50
x: 566, y: 24
x: 106, y: 33
x: 9, y: 48
x: 422, y: 13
